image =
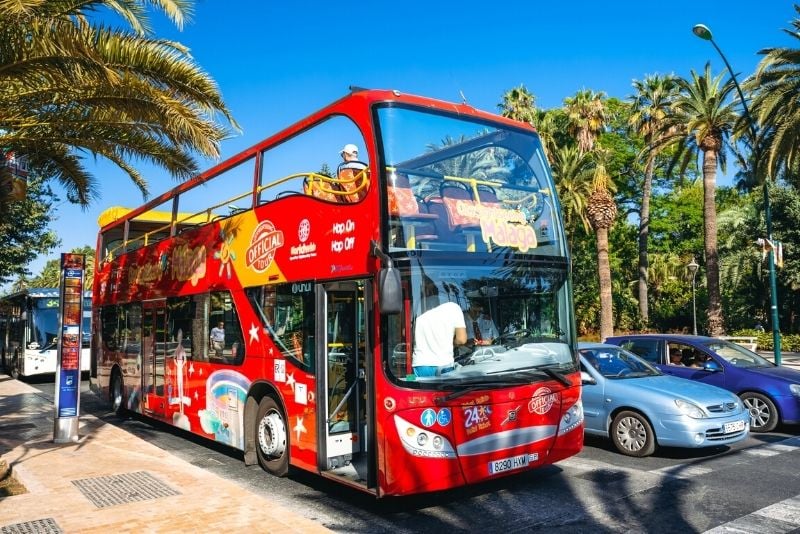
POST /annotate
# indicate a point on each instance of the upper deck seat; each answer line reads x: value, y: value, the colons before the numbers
x: 410, y: 219
x: 462, y: 211
x: 353, y: 180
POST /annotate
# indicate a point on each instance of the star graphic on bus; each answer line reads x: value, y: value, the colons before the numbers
x: 299, y: 428
x: 253, y: 332
x: 225, y: 254
x: 290, y: 380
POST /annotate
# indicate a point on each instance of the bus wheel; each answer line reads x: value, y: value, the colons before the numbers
x: 14, y: 370
x: 271, y: 438
x: 115, y: 394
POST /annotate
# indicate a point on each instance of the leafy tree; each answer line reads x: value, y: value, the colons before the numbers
x: 651, y: 108
x: 24, y: 231
x: 704, y: 117
x: 50, y: 276
x: 70, y: 87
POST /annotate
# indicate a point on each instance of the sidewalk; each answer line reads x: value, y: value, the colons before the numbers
x: 112, y: 481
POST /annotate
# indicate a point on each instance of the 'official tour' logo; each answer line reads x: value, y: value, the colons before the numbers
x: 542, y: 400
x: 263, y: 244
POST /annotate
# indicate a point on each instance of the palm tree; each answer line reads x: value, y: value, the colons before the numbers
x: 601, y: 211
x: 775, y: 104
x: 572, y: 172
x: 587, y: 117
x: 70, y: 88
x: 518, y: 104
x: 545, y: 123
x: 650, y: 111
x: 704, y: 116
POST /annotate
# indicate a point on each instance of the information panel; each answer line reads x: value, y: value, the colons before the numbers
x: 68, y: 371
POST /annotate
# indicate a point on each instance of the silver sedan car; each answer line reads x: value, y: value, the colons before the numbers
x: 638, y: 407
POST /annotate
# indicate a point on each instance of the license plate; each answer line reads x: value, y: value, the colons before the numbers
x: 736, y: 426
x: 507, y: 464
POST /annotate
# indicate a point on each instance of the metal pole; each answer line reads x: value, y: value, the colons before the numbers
x: 694, y: 306
x: 704, y: 33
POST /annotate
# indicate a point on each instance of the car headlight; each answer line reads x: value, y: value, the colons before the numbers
x: 690, y: 409
x: 795, y: 389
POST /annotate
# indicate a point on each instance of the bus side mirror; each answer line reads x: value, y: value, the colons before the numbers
x: 390, y: 292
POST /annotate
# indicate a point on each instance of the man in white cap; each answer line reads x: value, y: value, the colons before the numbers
x: 349, y: 152
x: 352, y: 174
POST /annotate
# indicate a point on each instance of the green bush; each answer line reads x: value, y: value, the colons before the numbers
x: 789, y: 342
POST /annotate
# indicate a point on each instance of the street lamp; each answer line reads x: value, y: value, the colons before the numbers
x: 703, y: 32
x: 693, y: 269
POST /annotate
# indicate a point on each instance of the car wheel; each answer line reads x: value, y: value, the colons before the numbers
x: 272, y: 443
x: 115, y: 394
x: 763, y: 414
x: 632, y: 434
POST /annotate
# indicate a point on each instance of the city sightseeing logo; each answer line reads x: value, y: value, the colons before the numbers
x: 266, y: 239
x: 542, y: 400
x: 303, y: 250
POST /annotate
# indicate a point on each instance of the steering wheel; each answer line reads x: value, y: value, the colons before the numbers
x: 623, y: 372
x: 513, y: 336
x: 733, y: 361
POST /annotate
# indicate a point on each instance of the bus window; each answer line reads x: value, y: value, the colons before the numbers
x: 182, y: 326
x: 287, y: 314
x: 315, y: 163
x: 222, y: 311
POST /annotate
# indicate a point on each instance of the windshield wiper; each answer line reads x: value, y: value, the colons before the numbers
x: 474, y: 386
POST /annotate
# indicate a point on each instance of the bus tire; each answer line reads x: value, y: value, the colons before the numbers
x: 115, y: 394
x: 14, y: 367
x: 272, y: 441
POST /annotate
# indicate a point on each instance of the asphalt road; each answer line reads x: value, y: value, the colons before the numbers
x: 755, y: 484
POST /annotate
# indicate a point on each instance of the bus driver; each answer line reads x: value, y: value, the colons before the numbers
x: 436, y: 332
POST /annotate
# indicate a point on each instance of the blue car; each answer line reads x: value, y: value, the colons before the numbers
x: 638, y: 407
x: 770, y: 393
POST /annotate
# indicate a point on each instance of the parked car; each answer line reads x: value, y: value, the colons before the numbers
x: 638, y: 407
x: 771, y: 393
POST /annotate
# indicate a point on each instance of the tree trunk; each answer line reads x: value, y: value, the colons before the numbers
x: 604, y: 275
x: 644, y: 231
x: 716, y: 321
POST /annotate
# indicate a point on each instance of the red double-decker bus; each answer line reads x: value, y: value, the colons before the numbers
x: 272, y: 302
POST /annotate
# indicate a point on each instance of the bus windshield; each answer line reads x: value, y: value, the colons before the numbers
x: 45, y: 324
x: 517, y: 321
x: 461, y: 184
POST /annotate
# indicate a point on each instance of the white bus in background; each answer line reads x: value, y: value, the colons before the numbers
x: 29, y: 332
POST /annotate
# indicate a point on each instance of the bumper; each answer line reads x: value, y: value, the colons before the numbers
x: 788, y: 408
x: 683, y: 431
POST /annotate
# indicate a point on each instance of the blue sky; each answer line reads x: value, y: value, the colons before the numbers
x: 277, y: 62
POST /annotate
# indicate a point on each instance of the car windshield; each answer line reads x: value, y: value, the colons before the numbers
x: 616, y: 363
x: 737, y: 355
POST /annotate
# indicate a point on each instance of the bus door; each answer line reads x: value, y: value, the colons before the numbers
x: 154, y: 398
x: 343, y: 424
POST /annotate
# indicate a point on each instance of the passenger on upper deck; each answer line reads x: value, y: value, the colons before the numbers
x: 351, y: 174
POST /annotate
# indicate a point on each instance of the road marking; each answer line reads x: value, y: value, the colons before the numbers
x: 776, y: 518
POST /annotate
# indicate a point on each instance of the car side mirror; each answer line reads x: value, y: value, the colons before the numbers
x: 586, y: 378
x: 712, y: 366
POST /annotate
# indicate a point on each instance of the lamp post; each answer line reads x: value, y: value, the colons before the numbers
x: 703, y: 32
x: 693, y: 269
